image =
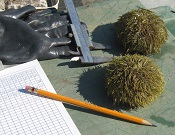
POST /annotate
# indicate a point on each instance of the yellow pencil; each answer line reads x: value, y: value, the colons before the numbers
x: 88, y: 106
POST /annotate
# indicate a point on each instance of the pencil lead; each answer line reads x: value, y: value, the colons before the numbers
x: 154, y: 125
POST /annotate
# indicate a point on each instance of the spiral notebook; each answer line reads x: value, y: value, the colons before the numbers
x: 26, y: 114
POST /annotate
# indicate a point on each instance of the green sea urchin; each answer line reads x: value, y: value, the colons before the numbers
x: 133, y: 80
x: 141, y: 31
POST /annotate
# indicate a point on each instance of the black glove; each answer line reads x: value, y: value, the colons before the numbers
x: 33, y: 35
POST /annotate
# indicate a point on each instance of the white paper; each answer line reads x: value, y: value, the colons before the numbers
x: 24, y: 113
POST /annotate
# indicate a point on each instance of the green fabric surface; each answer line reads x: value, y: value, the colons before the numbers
x: 86, y: 83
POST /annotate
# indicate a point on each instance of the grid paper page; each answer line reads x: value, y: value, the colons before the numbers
x: 25, y: 114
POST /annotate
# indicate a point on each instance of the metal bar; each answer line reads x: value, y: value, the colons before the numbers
x: 80, y: 32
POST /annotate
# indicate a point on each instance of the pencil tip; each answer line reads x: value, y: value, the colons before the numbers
x: 154, y: 125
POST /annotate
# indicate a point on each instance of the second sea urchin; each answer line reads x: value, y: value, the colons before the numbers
x: 133, y: 80
x: 141, y: 31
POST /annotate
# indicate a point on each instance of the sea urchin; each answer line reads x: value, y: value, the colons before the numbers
x: 141, y: 31
x: 133, y: 80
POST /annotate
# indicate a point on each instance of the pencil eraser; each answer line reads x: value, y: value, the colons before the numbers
x: 27, y: 87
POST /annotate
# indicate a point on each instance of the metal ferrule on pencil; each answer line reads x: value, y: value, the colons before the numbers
x: 32, y: 89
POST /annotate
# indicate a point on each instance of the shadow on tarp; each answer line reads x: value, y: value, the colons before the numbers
x: 105, y: 34
x: 75, y: 64
x: 91, y: 86
x: 96, y: 113
x: 163, y: 121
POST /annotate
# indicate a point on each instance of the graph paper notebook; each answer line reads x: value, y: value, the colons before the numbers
x: 23, y: 113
